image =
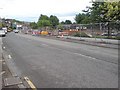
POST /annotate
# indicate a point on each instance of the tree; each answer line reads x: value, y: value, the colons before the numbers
x: 60, y: 27
x: 0, y: 24
x: 33, y: 25
x: 97, y: 10
x: 105, y: 11
x: 113, y: 11
x: 82, y: 18
x: 62, y: 22
x: 68, y: 22
x: 54, y: 21
x: 43, y: 17
x: 43, y: 21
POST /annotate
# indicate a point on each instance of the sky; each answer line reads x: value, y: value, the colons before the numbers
x: 30, y: 10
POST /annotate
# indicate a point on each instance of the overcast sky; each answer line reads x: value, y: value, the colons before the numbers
x: 30, y: 10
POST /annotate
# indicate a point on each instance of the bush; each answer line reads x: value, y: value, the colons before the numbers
x: 82, y: 34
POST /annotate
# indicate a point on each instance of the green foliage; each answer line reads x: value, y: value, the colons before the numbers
x: 0, y: 24
x: 33, y: 25
x: 43, y: 23
x: 68, y: 22
x: 60, y: 27
x: 82, y: 18
x: 43, y: 17
x: 113, y: 11
x: 51, y: 21
x: 54, y: 21
x: 82, y: 34
x: 105, y: 11
x: 100, y: 12
x: 62, y: 22
x: 96, y: 12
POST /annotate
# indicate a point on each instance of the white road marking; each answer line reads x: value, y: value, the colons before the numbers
x: 44, y: 44
x: 3, y: 47
x: 2, y: 72
x: 9, y: 56
x: 84, y: 55
x: 32, y: 86
x: 76, y: 53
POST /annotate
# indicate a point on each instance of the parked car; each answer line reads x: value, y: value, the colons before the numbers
x: 2, y: 32
x: 104, y: 34
x: 16, y: 30
x: 5, y: 29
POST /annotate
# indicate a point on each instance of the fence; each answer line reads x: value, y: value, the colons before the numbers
x: 97, y: 30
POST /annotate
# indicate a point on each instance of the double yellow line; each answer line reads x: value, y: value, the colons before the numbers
x: 32, y: 86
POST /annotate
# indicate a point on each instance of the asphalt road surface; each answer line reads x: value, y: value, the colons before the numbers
x: 58, y: 64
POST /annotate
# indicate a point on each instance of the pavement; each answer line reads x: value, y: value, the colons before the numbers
x: 7, y: 80
x: 0, y: 63
x: 109, y: 41
x: 50, y: 63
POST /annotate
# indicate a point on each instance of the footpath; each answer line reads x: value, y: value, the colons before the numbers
x: 0, y: 63
x: 4, y: 71
x: 106, y: 43
x: 7, y: 80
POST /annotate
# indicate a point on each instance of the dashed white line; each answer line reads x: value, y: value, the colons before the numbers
x: 44, y: 44
x: 9, y: 56
x: 84, y: 55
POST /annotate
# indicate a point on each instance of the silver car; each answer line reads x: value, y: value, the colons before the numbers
x: 2, y: 32
x: 5, y: 29
x: 16, y: 30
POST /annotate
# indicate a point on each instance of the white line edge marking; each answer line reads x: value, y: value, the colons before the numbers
x: 30, y: 83
x: 44, y: 44
x: 9, y: 56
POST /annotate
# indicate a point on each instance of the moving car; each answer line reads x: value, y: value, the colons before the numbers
x: 2, y: 32
x: 16, y: 30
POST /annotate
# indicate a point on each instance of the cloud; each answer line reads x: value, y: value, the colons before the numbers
x: 33, y: 8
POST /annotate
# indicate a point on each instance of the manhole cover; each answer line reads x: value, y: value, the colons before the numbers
x: 12, y: 81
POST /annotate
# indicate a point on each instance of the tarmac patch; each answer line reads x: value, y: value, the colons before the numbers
x: 12, y: 81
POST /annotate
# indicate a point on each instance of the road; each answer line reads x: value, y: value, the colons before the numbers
x: 52, y: 63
